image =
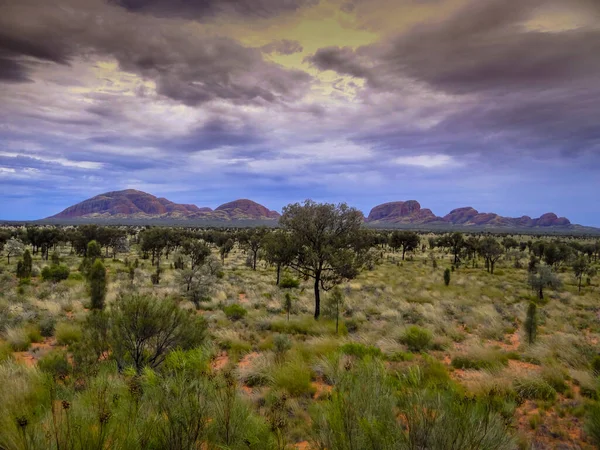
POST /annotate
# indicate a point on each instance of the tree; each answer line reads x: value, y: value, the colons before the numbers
x: 25, y: 267
x: 13, y: 247
x: 197, y: 284
x: 197, y: 250
x: 509, y: 242
x: 531, y: 323
x: 328, y: 243
x: 456, y: 243
x: 407, y: 240
x: 491, y: 251
x: 97, y: 281
x: 542, y: 278
x: 225, y: 248
x: 447, y: 277
x: 581, y: 267
x: 252, y: 241
x: 278, y: 249
x: 144, y: 329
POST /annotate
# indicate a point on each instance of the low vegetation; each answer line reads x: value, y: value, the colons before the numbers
x: 319, y: 335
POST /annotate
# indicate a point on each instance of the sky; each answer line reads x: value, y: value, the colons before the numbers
x: 493, y: 104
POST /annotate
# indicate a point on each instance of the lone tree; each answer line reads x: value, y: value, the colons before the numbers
x: 97, y: 281
x: 531, y: 323
x: 581, y: 267
x: 491, y: 251
x: 13, y: 247
x: 328, y: 242
x: 447, y: 277
x: 197, y: 250
x: 279, y: 251
x: 407, y: 240
x: 251, y: 241
x: 542, y: 278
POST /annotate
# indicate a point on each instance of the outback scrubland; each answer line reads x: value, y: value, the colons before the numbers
x: 169, y: 338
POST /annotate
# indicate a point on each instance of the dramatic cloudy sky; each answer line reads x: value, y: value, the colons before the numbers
x: 493, y: 104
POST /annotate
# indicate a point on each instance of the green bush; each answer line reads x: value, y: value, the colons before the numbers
x: 417, y: 339
x: 47, y: 324
x: 447, y: 276
x: 18, y: 339
x: 484, y: 359
x: 289, y: 283
x: 592, y: 423
x: 33, y: 333
x: 5, y: 351
x: 55, y: 273
x: 294, y: 377
x: 55, y: 363
x: 360, y: 350
x: 67, y: 333
x: 235, y: 312
x: 534, y: 389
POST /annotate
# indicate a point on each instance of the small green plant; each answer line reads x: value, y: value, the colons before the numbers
x: 55, y: 363
x: 417, y: 339
x: 289, y: 282
x: 531, y: 323
x: 534, y: 388
x: 235, y: 312
x: 97, y: 282
x: 281, y: 344
x: 294, y: 377
x: 18, y: 339
x: 360, y: 350
x: 67, y: 333
x: 447, y: 277
x: 55, y: 273
x: 287, y: 304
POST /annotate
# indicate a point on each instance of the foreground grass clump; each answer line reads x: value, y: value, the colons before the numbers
x: 481, y: 359
x: 534, y: 388
x: 294, y: 377
x: 235, y: 312
x: 67, y: 333
x: 18, y: 338
x: 417, y: 339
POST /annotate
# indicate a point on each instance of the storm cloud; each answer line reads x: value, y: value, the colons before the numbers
x: 476, y: 102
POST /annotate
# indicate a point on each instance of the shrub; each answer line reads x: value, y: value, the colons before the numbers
x: 592, y: 423
x: 416, y: 338
x: 480, y: 359
x: 55, y: 363
x: 294, y: 377
x: 534, y: 389
x: 67, y: 333
x: 360, y: 350
x: 289, y: 283
x: 235, y: 312
x: 281, y: 344
x: 18, y: 339
x: 33, y: 333
x: 5, y: 351
x: 97, y: 281
x: 447, y: 276
x: 47, y: 324
x: 555, y: 377
x: 55, y: 273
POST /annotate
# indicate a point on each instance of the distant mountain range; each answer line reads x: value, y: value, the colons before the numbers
x: 138, y: 205
x: 132, y: 204
x: 411, y: 213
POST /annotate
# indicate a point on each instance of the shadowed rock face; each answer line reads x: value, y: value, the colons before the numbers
x: 410, y: 212
x: 247, y: 208
x: 137, y: 204
x: 401, y: 212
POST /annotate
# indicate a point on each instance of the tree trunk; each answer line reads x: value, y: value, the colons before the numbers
x: 541, y: 293
x: 278, y: 273
x: 579, y: 285
x: 403, y: 252
x: 317, y: 295
x: 254, y: 260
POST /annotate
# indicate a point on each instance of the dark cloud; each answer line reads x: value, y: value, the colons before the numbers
x: 186, y: 66
x: 343, y: 60
x: 207, y: 9
x: 282, y: 47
